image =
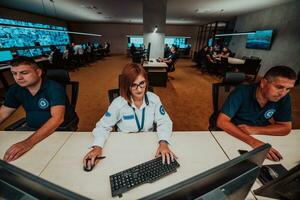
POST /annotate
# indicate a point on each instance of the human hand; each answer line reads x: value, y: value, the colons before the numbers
x: 17, y: 150
x: 90, y: 158
x: 164, y: 151
x: 273, y: 154
x: 250, y: 130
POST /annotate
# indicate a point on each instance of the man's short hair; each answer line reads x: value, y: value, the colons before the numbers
x: 281, y: 71
x: 23, y: 60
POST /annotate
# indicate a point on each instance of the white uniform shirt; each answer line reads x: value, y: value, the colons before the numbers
x: 124, y: 116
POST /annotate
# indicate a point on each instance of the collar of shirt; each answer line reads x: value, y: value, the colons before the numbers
x: 144, y: 104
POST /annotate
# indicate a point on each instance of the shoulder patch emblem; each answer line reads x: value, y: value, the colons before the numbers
x: 43, y: 103
x: 162, y: 110
x: 269, y: 113
x: 107, y: 114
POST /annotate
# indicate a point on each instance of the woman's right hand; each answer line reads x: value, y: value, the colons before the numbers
x: 89, y: 161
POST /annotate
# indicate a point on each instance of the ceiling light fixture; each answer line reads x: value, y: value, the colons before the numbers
x: 155, y: 29
x: 236, y: 33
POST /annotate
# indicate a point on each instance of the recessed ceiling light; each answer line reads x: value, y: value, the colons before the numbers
x: 202, y: 10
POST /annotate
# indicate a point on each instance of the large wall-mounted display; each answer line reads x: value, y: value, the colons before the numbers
x: 138, y: 41
x: 15, y: 34
x: 260, y: 40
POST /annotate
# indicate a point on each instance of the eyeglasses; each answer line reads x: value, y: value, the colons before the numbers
x: 135, y: 86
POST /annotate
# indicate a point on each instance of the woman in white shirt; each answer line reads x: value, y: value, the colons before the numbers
x: 135, y: 110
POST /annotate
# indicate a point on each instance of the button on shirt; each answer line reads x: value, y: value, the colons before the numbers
x: 242, y: 107
x: 124, y: 115
x: 37, y: 107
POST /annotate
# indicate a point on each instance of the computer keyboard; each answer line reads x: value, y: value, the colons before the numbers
x: 147, y: 172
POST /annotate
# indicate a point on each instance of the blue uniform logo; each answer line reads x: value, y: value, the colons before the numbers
x: 128, y: 117
x: 269, y: 113
x: 162, y: 110
x: 43, y: 103
x: 107, y: 114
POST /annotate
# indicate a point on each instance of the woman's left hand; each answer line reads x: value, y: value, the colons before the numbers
x: 164, y: 151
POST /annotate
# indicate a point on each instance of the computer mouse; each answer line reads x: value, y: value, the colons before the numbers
x: 272, y: 173
x: 86, y: 167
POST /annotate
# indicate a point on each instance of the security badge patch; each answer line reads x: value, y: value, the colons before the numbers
x: 162, y: 110
x: 43, y: 103
x: 269, y: 113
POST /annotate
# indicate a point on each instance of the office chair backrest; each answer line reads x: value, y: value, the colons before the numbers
x: 220, y: 92
x: 6, y: 79
x: 72, y: 87
x: 59, y: 75
x: 234, y: 77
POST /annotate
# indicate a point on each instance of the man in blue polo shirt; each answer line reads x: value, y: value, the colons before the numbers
x: 262, y: 109
x: 44, y: 101
x: 170, y: 61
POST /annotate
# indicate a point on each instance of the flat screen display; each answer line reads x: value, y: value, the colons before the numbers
x: 260, y: 40
x: 29, y: 36
x: 5, y: 56
x: 137, y: 41
x: 180, y: 42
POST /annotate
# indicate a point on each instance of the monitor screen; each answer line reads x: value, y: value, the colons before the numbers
x: 230, y: 180
x: 35, y: 52
x: 137, y: 41
x: 24, y: 52
x: 180, y: 42
x: 5, y: 56
x: 16, y: 183
x: 29, y: 36
x: 259, y: 40
x: 286, y: 186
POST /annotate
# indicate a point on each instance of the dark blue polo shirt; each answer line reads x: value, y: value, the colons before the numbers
x: 242, y: 107
x: 37, y: 107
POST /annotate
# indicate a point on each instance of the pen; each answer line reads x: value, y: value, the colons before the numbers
x: 97, y: 158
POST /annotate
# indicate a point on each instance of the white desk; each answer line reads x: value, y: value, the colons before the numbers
x: 196, y: 151
x: 235, y: 61
x: 288, y: 146
x: 153, y: 64
x: 39, y: 156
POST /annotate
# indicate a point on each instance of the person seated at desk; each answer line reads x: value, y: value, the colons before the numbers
x: 55, y: 56
x: 166, y: 51
x: 260, y: 109
x: 44, y: 101
x: 224, y: 54
x: 136, y: 110
x: 132, y: 49
x: 170, y: 61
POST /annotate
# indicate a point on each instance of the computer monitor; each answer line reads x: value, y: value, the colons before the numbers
x: 35, y: 52
x: 230, y: 180
x: 148, y: 51
x: 5, y: 56
x: 286, y: 186
x: 24, y: 52
x: 16, y: 183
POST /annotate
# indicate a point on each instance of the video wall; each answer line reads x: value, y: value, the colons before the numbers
x: 14, y: 33
x: 180, y: 42
x: 138, y: 41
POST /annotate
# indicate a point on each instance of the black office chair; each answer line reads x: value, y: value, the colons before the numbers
x: 220, y: 91
x: 250, y: 68
x: 114, y: 93
x: 72, y: 89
